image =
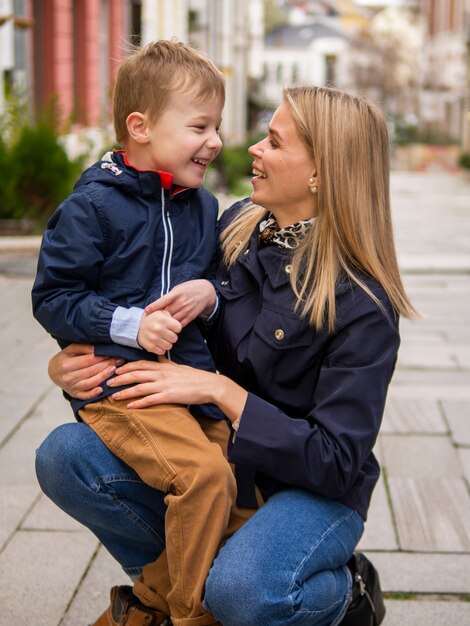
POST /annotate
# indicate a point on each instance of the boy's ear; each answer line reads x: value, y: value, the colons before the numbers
x: 137, y: 127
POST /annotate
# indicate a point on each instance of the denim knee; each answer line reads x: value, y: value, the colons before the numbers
x: 57, y: 460
x: 236, y: 596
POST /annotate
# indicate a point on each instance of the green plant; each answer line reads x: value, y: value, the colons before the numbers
x: 37, y: 174
x: 43, y: 175
x: 234, y: 164
x: 7, y: 188
x: 464, y: 160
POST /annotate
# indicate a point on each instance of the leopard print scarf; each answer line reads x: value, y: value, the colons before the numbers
x: 289, y: 237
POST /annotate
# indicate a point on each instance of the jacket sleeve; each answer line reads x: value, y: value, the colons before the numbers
x: 65, y: 294
x: 325, y: 450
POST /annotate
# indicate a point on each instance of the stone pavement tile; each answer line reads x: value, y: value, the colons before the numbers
x: 17, y: 455
x: 92, y: 597
x: 431, y: 515
x: 412, y: 415
x: 420, y: 457
x: 457, y: 413
x: 45, y: 515
x: 36, y: 584
x: 15, y: 502
x: 423, y: 573
x: 431, y: 357
x: 424, y: 262
x: 426, y: 613
x: 464, y: 456
x: 440, y: 384
x: 379, y: 532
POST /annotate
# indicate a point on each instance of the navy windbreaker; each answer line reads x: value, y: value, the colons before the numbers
x: 315, y: 399
x: 123, y: 238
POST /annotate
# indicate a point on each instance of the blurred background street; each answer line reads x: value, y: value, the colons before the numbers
x: 58, y: 61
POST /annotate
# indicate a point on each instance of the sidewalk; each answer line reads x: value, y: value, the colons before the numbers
x: 54, y: 573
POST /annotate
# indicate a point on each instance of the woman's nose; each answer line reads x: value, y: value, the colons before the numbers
x: 255, y: 149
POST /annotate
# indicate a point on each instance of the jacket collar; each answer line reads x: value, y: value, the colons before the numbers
x: 150, y: 180
x: 266, y: 261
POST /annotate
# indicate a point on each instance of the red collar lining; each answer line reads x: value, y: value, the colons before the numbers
x: 165, y: 177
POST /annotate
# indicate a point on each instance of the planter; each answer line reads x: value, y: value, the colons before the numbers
x: 18, y: 228
x: 420, y: 157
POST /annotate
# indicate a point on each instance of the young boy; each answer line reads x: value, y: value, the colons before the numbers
x: 137, y: 224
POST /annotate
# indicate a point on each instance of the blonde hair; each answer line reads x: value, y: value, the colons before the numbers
x: 149, y: 75
x: 347, y: 137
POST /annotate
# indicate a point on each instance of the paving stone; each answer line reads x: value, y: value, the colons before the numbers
x: 430, y: 357
x: 39, y: 573
x: 15, y: 502
x: 45, y: 515
x: 92, y: 597
x: 426, y: 613
x: 457, y: 413
x: 17, y: 455
x: 420, y: 457
x: 379, y: 532
x: 432, y: 383
x: 431, y: 515
x: 464, y: 456
x: 412, y: 415
x: 423, y: 573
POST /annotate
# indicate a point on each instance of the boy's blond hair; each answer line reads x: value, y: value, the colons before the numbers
x: 150, y: 74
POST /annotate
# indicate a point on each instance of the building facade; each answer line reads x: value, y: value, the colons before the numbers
x: 445, y: 95
x: 63, y: 52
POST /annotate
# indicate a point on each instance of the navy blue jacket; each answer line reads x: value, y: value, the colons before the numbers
x: 315, y: 399
x: 123, y: 238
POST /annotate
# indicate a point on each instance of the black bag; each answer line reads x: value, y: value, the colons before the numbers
x: 367, y: 606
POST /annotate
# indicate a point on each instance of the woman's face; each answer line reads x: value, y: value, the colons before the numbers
x: 283, y: 169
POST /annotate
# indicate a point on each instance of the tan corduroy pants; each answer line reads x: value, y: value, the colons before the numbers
x: 186, y: 458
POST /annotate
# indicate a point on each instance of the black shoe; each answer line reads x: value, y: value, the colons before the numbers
x: 367, y: 606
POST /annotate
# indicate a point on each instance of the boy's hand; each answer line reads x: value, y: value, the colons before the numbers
x: 187, y: 301
x: 158, y: 332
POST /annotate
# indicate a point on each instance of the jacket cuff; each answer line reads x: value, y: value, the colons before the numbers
x: 125, y: 326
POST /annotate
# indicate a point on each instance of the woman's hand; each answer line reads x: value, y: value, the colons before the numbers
x: 79, y: 372
x: 187, y: 301
x: 165, y: 382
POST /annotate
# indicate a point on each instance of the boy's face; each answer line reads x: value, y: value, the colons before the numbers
x: 185, y: 138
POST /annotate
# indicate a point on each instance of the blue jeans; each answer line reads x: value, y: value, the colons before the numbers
x: 286, y: 565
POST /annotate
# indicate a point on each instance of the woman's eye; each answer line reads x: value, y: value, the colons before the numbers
x: 272, y: 144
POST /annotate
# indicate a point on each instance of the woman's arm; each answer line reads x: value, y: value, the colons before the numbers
x: 166, y: 382
x: 79, y: 372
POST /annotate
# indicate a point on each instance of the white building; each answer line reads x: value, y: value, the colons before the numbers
x: 309, y: 53
x: 229, y: 31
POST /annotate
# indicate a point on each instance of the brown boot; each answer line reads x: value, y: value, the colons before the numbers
x: 126, y: 610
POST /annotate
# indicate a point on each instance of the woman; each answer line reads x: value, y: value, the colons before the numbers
x: 305, y: 342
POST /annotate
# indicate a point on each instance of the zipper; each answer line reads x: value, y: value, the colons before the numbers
x: 167, y: 253
x: 168, y: 249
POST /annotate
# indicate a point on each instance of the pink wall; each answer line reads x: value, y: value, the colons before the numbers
x: 69, y: 66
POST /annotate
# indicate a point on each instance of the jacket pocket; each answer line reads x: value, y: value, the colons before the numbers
x: 281, y: 331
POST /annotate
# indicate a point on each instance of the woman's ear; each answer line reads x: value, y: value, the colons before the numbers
x: 137, y: 127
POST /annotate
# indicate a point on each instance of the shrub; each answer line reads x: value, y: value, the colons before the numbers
x: 7, y: 192
x: 464, y: 160
x: 234, y: 164
x: 43, y: 175
x: 37, y: 174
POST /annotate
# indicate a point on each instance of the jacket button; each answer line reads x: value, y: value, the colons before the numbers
x: 288, y: 268
x: 247, y: 252
x: 279, y: 334
x: 224, y: 282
